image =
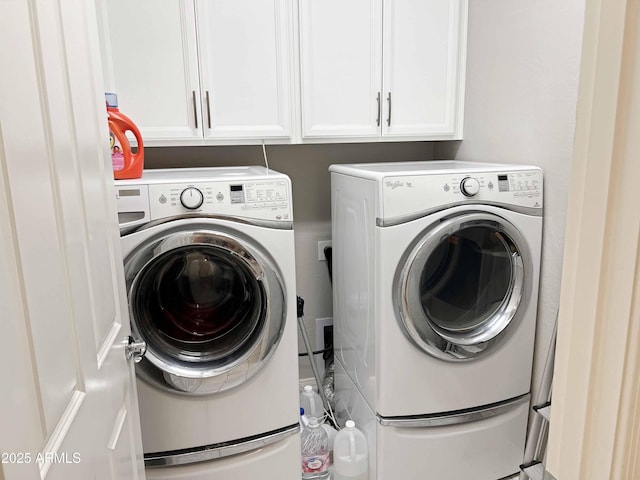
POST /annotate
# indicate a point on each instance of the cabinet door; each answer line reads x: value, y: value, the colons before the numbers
x: 424, y: 54
x: 341, y: 53
x: 245, y: 63
x: 151, y: 63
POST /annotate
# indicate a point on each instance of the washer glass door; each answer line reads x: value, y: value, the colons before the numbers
x: 462, y: 285
x: 209, y: 306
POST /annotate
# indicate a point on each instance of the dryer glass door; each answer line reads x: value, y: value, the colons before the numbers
x: 209, y: 306
x: 463, y: 284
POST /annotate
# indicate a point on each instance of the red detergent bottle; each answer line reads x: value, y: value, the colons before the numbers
x: 126, y: 164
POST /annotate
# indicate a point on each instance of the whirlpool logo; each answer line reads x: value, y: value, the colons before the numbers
x: 393, y: 184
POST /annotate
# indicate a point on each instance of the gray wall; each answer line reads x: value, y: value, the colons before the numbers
x: 520, y: 107
x: 307, y: 166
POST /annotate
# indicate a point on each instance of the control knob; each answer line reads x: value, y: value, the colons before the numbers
x: 191, y: 198
x: 469, y: 186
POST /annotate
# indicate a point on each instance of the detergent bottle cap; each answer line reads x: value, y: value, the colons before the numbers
x: 112, y: 99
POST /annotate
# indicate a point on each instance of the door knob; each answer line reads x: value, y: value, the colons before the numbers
x: 135, y: 350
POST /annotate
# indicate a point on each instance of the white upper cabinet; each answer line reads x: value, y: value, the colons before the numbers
x: 192, y: 72
x: 382, y: 69
x: 341, y: 67
x: 151, y: 62
x: 245, y: 69
x: 224, y: 72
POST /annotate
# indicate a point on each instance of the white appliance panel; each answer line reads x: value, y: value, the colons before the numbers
x: 353, y: 264
x: 402, y: 379
x: 265, y: 402
x: 433, y: 385
x: 487, y: 449
x: 409, y: 194
x: 278, y: 461
x: 377, y: 171
x: 252, y: 193
x: 172, y: 421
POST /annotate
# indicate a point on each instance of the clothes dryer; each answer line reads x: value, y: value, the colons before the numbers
x: 435, y: 271
x: 210, y: 275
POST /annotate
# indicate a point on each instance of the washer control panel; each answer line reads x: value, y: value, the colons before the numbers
x: 264, y: 199
x: 403, y: 195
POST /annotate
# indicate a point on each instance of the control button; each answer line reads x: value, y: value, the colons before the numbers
x: 220, y: 197
x: 490, y: 185
x: 446, y: 187
x: 162, y: 199
x: 191, y: 198
x: 469, y: 186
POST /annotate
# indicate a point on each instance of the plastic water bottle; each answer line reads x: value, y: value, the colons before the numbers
x: 331, y: 433
x: 311, y: 402
x: 315, y: 451
x: 350, y: 454
x: 304, y: 420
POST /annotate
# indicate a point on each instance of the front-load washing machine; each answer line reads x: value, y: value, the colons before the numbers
x: 210, y: 276
x: 435, y: 272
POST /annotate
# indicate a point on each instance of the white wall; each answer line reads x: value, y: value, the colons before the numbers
x: 307, y: 166
x: 520, y: 107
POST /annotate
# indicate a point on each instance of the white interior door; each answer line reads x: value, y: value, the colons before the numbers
x: 68, y: 408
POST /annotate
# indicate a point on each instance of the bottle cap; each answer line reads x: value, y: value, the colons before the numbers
x: 112, y: 99
x: 308, y: 388
x: 313, y: 421
x: 350, y: 424
x: 301, y: 411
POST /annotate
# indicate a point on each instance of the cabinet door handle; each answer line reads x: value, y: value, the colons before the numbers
x: 379, y: 110
x: 208, y: 109
x: 389, y: 117
x: 195, y: 109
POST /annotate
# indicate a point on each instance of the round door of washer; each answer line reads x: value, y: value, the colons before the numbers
x: 210, y: 306
x: 462, y: 285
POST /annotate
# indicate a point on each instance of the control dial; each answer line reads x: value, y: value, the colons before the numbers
x: 469, y: 186
x: 191, y: 198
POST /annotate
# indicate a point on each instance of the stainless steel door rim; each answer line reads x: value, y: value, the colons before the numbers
x: 184, y: 364
x: 461, y: 305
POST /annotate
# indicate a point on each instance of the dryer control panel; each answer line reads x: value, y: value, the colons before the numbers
x: 406, y: 195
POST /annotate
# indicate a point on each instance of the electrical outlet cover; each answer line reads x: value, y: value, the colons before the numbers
x: 322, y: 244
x: 320, y: 324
